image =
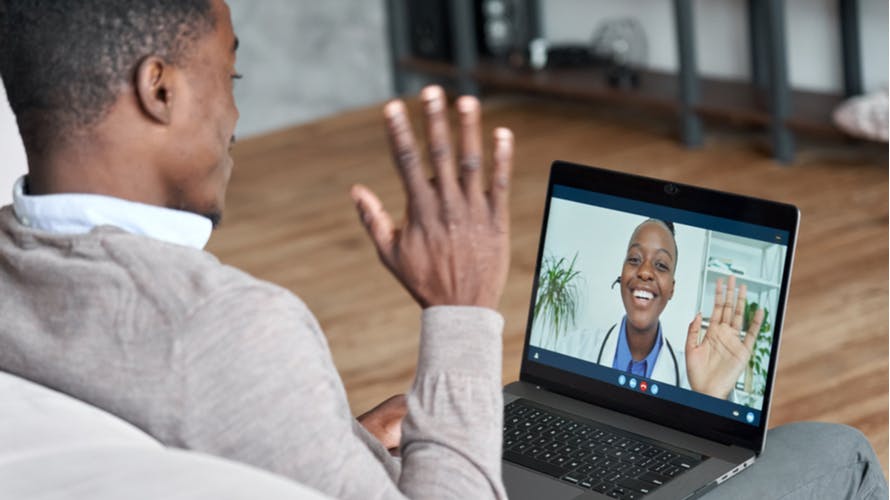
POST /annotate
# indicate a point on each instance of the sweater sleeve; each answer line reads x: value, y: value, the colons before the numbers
x: 260, y: 387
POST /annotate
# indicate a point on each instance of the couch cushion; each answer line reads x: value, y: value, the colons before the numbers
x: 137, y: 472
x: 53, y: 446
x: 35, y: 421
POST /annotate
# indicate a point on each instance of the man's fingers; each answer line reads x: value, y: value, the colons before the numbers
x: 405, y: 154
x: 435, y: 108
x: 503, y: 171
x: 692, y: 335
x: 739, y: 314
x: 719, y: 298
x: 384, y: 421
x: 754, y: 329
x: 377, y: 222
x: 468, y: 110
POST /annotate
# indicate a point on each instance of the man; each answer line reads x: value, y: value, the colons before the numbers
x: 126, y: 112
x: 127, y: 115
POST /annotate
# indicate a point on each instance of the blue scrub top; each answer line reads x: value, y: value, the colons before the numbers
x: 623, y: 359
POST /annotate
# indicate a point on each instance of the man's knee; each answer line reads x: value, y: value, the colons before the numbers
x: 807, y: 460
x: 830, y: 441
x: 832, y: 458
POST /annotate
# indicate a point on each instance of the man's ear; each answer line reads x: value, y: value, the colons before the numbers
x: 154, y: 88
x: 673, y: 285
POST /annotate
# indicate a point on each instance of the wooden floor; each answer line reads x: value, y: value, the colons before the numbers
x: 289, y: 220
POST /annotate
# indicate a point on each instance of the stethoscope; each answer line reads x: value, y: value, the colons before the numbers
x: 599, y: 358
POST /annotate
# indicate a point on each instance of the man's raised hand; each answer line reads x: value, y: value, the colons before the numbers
x: 453, y: 247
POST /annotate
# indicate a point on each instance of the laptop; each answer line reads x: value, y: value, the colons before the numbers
x: 615, y: 397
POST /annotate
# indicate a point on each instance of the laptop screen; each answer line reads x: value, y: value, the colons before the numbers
x: 626, y: 294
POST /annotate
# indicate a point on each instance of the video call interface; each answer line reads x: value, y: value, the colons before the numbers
x: 621, y: 284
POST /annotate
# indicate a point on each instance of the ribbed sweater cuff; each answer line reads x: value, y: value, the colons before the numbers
x: 461, y: 339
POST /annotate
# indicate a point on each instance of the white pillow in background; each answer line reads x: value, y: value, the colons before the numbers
x: 13, y: 163
x: 864, y: 116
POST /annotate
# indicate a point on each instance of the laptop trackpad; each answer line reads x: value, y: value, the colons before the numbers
x: 524, y: 484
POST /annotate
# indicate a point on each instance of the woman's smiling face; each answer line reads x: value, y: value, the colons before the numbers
x: 647, y: 277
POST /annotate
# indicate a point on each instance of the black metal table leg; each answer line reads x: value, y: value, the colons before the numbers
x: 463, y: 34
x: 850, y: 45
x: 757, y: 44
x: 780, y: 95
x: 398, y: 42
x: 690, y: 123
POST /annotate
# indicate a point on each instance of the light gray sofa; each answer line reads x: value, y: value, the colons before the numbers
x: 55, y: 447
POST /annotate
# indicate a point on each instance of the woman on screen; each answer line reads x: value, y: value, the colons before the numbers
x: 636, y: 343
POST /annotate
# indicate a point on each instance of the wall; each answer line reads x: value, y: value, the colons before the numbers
x: 813, y: 37
x: 304, y: 59
x: 12, y: 154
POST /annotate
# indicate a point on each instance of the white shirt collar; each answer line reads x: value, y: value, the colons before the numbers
x: 72, y: 213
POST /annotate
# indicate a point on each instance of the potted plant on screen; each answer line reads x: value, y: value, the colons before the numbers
x: 755, y: 373
x: 558, y: 296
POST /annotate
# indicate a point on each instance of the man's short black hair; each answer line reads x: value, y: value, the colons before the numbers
x: 64, y: 62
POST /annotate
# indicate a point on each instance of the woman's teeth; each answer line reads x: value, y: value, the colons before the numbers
x: 643, y: 294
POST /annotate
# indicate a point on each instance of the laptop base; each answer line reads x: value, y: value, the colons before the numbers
x: 523, y: 483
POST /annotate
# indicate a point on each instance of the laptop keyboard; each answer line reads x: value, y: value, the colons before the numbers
x: 589, y: 454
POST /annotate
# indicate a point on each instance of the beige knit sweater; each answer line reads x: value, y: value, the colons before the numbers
x: 205, y: 357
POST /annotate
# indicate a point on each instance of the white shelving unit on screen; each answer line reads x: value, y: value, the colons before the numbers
x: 756, y: 264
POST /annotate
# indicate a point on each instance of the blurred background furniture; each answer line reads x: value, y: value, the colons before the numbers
x: 443, y: 39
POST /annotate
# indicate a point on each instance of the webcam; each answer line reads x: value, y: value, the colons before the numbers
x: 671, y: 189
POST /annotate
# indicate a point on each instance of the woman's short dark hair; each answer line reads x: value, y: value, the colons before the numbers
x: 669, y: 224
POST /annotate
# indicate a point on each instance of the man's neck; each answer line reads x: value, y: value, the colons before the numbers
x: 77, y: 170
x: 113, y: 157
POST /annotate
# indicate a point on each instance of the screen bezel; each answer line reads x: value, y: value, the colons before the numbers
x: 740, y: 208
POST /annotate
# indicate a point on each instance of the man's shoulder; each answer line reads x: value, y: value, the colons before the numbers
x: 154, y: 285
x: 210, y: 304
x: 167, y: 280
x: 195, y: 276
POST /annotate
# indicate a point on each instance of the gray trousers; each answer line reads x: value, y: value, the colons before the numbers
x: 809, y: 460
